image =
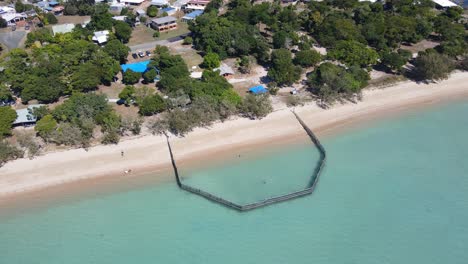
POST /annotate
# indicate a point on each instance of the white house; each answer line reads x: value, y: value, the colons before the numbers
x: 159, y: 3
x: 101, y: 37
x: 10, y: 15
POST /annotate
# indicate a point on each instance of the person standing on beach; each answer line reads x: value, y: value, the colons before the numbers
x: 121, y: 153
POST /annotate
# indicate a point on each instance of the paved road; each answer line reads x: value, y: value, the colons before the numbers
x: 150, y: 45
x: 12, y: 39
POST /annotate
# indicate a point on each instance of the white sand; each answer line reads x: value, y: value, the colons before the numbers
x: 149, y: 153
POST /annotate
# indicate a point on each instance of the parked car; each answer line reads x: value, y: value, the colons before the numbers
x: 26, y: 27
x: 148, y: 53
x: 13, y: 28
x: 134, y: 55
x: 141, y: 54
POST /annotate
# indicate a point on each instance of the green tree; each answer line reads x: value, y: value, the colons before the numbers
x: 331, y: 82
x: 256, y: 106
x: 45, y: 126
x: 7, y: 117
x: 131, y: 77
x: 50, y: 19
x: 150, y: 75
x: 152, y: 11
x: 307, y: 58
x: 432, y: 66
x: 117, y: 50
x: 394, y: 61
x: 282, y: 70
x: 128, y: 94
x: 19, y: 7
x: 122, y: 31
x: 188, y: 40
x: 5, y: 94
x: 353, y: 53
x: 151, y: 105
x: 211, y: 61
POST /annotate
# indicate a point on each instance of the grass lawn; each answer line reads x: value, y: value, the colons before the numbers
x: 141, y: 34
x: 182, y: 28
x: 191, y: 56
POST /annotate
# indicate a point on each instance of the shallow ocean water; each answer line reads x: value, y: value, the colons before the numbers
x: 395, y: 191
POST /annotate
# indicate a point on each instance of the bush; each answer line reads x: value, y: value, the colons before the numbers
x: 9, y: 152
x: 188, y: 40
x: 151, y: 105
x: 432, y: 66
x: 69, y: 135
x: 293, y: 100
x: 156, y: 34
x: 256, y: 106
x: 307, y: 58
x: 131, y: 77
x: 110, y: 138
x: 211, y: 61
x: 45, y: 126
x: 27, y: 140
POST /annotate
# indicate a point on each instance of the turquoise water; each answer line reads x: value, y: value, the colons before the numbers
x: 395, y: 192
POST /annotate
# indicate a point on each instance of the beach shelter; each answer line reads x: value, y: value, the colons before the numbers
x: 259, y: 89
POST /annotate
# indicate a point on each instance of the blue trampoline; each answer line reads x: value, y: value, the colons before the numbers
x: 259, y: 89
x: 141, y: 66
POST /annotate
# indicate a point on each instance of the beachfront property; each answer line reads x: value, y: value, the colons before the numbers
x: 196, y: 5
x: 25, y: 116
x: 62, y: 29
x: 444, y: 3
x: 225, y: 70
x: 101, y: 37
x: 192, y: 15
x: 163, y: 24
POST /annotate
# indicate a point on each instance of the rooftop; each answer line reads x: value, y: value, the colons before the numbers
x: 193, y: 15
x: 224, y: 69
x: 164, y: 20
x: 444, y: 3
x: 25, y: 116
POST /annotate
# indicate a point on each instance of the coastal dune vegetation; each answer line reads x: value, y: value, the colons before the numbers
x: 64, y: 72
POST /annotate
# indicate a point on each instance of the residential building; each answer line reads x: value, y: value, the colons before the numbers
x: 196, y: 5
x: 25, y: 116
x: 159, y: 3
x: 101, y: 37
x: 225, y: 70
x: 10, y: 15
x: 164, y: 23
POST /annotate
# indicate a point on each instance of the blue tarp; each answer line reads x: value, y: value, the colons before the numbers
x: 193, y: 14
x: 136, y: 67
x: 167, y: 9
x: 53, y: 3
x: 259, y: 89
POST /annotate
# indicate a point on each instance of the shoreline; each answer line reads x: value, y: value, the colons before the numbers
x: 148, y: 155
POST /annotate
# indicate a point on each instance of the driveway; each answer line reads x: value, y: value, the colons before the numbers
x: 12, y: 39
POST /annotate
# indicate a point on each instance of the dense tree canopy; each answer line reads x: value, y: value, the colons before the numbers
x: 353, y: 53
x: 7, y: 117
x: 331, y: 82
x: 282, y: 70
x: 432, y: 66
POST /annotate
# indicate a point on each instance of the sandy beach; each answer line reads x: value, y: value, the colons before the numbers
x: 148, y: 154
